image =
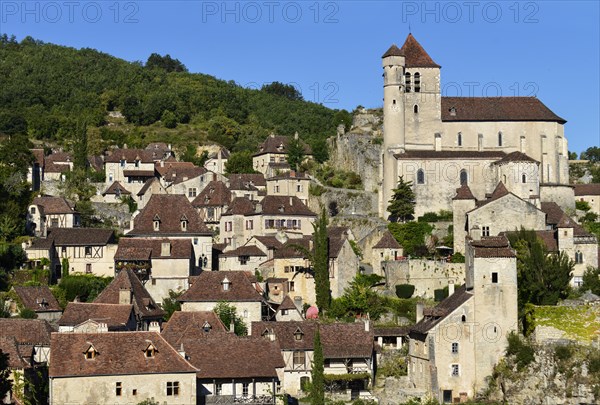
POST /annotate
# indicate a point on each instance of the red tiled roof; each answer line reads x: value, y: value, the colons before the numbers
x: 115, y: 316
x: 146, y: 249
x: 492, y: 246
x: 290, y: 175
x: 37, y: 298
x: 81, y: 236
x: 190, y: 325
x: 138, y: 173
x: 279, y: 144
x: 208, y: 287
x: 387, y: 241
x: 248, y: 250
x: 53, y: 205
x: 16, y: 356
x: 497, y: 109
x: 285, y: 205
x: 116, y: 188
x: 26, y: 331
x: 415, y: 55
x: 443, y: 309
x: 143, y: 304
x: 516, y: 157
x: 146, y: 186
x: 587, y: 189
x: 216, y: 193
x: 246, y: 181
x: 241, y: 206
x: 178, y: 173
x: 393, y: 51
x: 117, y: 353
x: 553, y: 212
x: 170, y: 209
x: 287, y: 303
x: 464, y: 193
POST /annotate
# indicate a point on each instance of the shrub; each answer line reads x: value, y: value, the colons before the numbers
x: 521, y: 350
x: 563, y: 352
x: 316, y: 190
x: 582, y: 206
x: 85, y: 286
x: 457, y: 258
x: 594, y: 363
x: 27, y: 313
x: 405, y: 290
x: 440, y: 294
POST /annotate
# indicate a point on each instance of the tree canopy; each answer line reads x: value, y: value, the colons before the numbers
x: 402, y: 204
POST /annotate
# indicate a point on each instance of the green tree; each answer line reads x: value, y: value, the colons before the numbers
x: 5, y: 374
x: 239, y: 162
x: 295, y: 153
x: 283, y: 90
x: 223, y: 130
x: 80, y: 149
x: 167, y: 63
x: 402, y: 204
x: 27, y: 313
x: 360, y: 299
x: 228, y: 315
x: 170, y: 304
x: 411, y: 236
x: 317, y: 394
x: 320, y: 150
x: 592, y: 154
x: 591, y: 280
x: 320, y: 262
x: 572, y: 155
x: 168, y: 119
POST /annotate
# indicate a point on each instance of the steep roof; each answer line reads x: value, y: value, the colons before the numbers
x: 246, y: 181
x: 117, y: 353
x: 26, y: 331
x: 170, y: 209
x: 339, y: 340
x: 287, y: 303
x: 442, y: 310
x: 516, y: 157
x: 285, y: 205
x: 247, y: 250
x: 497, y: 109
x: 146, y: 186
x: 279, y: 144
x: 208, y: 287
x: 587, y: 189
x: 568, y: 222
x: 117, y: 189
x: 492, y: 246
x: 549, y: 239
x: 392, y: 51
x: 294, y: 248
x: 16, y: 355
x: 38, y: 156
x: 464, y: 193
x: 143, y: 304
x: 553, y: 212
x: 81, y: 236
x: 241, y: 206
x: 37, y: 298
x: 178, y: 173
x: 216, y: 193
x: 115, y: 316
x: 387, y: 241
x: 146, y: 249
x: 415, y: 54
x: 190, y: 325
x: 131, y: 155
x: 231, y: 356
x: 53, y: 205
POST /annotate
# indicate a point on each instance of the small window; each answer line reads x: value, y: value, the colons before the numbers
x: 523, y: 178
x: 298, y: 335
x: 192, y: 192
x: 416, y: 109
x: 219, y: 389
x: 156, y: 225
x: 184, y: 225
x: 455, y: 370
x: 420, y: 176
x: 122, y: 162
x: 299, y: 188
x: 88, y: 250
x: 407, y: 82
x: 195, y: 241
x: 32, y: 210
x: 417, y: 78
x: 173, y: 388
x: 494, y: 277
x: 119, y: 389
x: 134, y: 392
x: 150, y: 351
x: 454, y: 348
x: 245, y: 389
x: 578, y: 257
x: 284, y: 312
x: 88, y: 268
x: 291, y: 286
x: 464, y: 178
x: 137, y: 163
x: 485, y: 231
x: 499, y: 138
x: 459, y: 139
x: 463, y: 318
x: 299, y: 359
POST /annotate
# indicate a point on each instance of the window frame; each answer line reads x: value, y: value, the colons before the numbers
x: 172, y: 388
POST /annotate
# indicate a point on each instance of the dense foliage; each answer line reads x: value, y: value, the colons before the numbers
x: 320, y: 262
x: 85, y: 287
x: 5, y: 374
x: 50, y: 90
x: 411, y: 236
x: 317, y: 393
x: 228, y: 315
x: 170, y: 304
x: 402, y: 205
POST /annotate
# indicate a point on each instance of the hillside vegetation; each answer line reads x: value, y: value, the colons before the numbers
x: 48, y: 91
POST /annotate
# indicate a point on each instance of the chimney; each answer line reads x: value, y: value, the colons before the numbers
x: 125, y: 296
x: 258, y: 208
x: 154, y: 327
x: 367, y: 325
x: 420, y: 307
x: 291, y: 201
x: 165, y: 249
x: 438, y: 142
x: 124, y: 146
x: 296, y: 135
x: 162, y: 163
x: 450, y: 287
x: 214, y: 176
x: 182, y: 351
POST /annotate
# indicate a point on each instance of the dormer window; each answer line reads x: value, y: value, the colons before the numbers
x: 226, y: 284
x: 452, y: 111
x: 298, y: 334
x: 90, y: 353
x: 137, y: 163
x: 184, y: 223
x: 206, y: 327
x: 123, y: 161
x: 281, y: 208
x: 265, y: 334
x: 156, y: 222
x: 150, y: 351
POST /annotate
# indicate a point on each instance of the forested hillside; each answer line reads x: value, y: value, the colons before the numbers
x: 49, y: 91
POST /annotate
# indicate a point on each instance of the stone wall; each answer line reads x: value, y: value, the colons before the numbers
x: 348, y: 202
x: 425, y: 275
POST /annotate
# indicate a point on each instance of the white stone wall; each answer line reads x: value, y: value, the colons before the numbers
x: 101, y: 264
x: 247, y: 311
x: 425, y: 275
x: 289, y: 187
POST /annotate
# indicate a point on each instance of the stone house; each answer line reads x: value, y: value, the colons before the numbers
x: 454, y: 346
x: 174, y: 217
x: 132, y: 167
x: 183, y: 178
x: 88, y: 317
x: 151, y: 187
x: 385, y: 250
x: 288, y: 311
x: 212, y: 202
x: 127, y: 289
x: 41, y: 249
x: 245, y: 258
x: 589, y: 193
x: 119, y: 368
x: 272, y: 155
x: 291, y: 183
x: 163, y: 264
x: 252, y: 186
x: 51, y: 212
x: 56, y: 165
x: 161, y: 150
x: 115, y: 193
x: 440, y: 142
x: 216, y: 161
x: 38, y: 299
x: 185, y: 325
x: 347, y: 349
x: 234, y: 287
x: 87, y: 250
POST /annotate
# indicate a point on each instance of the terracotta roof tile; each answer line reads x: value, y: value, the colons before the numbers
x: 115, y: 316
x: 117, y: 189
x: 26, y: 331
x: 143, y: 304
x: 16, y: 360
x: 587, y: 189
x: 180, y: 171
x: 59, y: 157
x: 553, y: 212
x: 53, y: 205
x: 190, y: 325
x: 138, y: 173
x: 549, y: 239
x: 279, y: 144
x: 117, y: 353
x: 131, y: 155
x: 415, y: 54
x: 387, y: 241
x: 169, y: 209
x: 241, y: 206
x: 81, y: 236
x: 37, y: 298
x: 146, y: 249
x: 245, y: 181
x: 146, y: 186
x: 248, y: 250
x: 393, y: 51
x: 492, y: 246
x: 391, y: 331
x: 516, y: 157
x: 496, y: 109
x: 208, y: 287
x: 287, y: 303
x: 215, y: 194
x: 290, y: 175
x: 285, y: 205
x: 464, y: 193
x: 443, y: 309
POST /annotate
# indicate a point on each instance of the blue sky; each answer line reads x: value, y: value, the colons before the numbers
x: 331, y: 50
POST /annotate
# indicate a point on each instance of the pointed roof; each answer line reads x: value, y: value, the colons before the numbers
x: 287, y: 303
x: 516, y: 157
x: 191, y: 325
x: 416, y: 55
x: 116, y: 188
x: 216, y: 193
x: 464, y: 193
x: 393, y: 51
x: 499, y: 191
x: 143, y: 304
x: 387, y: 241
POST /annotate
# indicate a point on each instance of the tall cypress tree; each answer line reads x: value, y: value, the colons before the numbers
x: 321, y: 262
x: 402, y: 204
x: 317, y: 393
